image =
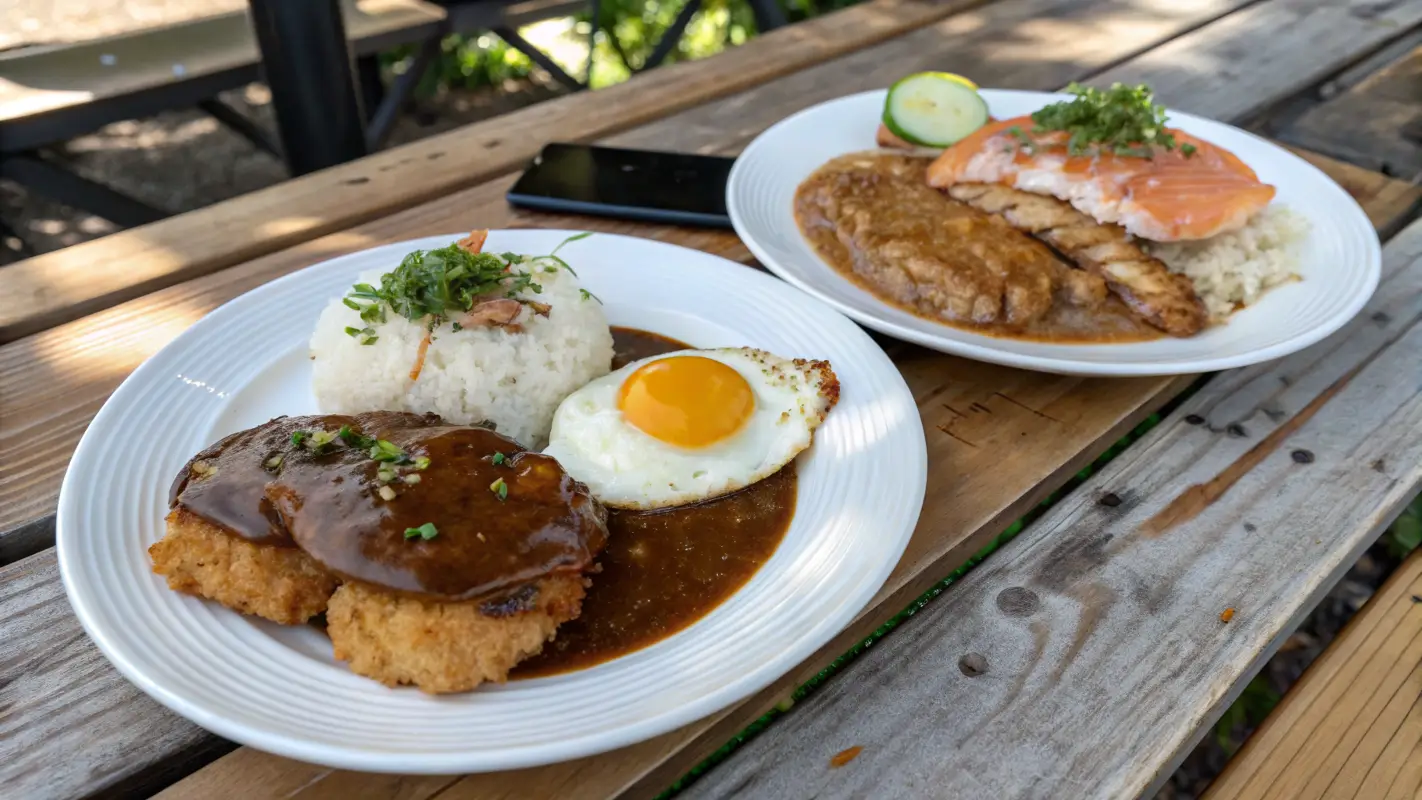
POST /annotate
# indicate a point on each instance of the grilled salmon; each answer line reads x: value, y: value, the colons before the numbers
x: 1168, y: 197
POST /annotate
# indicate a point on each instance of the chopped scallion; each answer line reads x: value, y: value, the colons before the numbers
x: 426, y: 532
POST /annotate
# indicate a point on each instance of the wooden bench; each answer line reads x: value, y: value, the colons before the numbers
x: 1352, y: 726
x: 54, y: 92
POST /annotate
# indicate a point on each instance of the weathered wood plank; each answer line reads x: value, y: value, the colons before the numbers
x: 1369, y: 123
x: 83, y: 362
x: 651, y: 765
x: 1352, y: 725
x: 1089, y: 654
x: 1264, y: 53
x: 50, y: 289
x: 70, y: 721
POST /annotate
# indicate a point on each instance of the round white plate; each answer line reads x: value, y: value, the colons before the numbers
x: 1340, y: 261
x: 277, y: 687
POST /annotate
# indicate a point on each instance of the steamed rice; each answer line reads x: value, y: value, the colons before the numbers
x: 1232, y: 270
x: 513, y: 379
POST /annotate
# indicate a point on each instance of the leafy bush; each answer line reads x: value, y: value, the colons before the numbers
x: 629, y: 31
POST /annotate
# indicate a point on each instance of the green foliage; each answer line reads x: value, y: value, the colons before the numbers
x: 1405, y: 535
x: 1248, y: 711
x: 628, y: 32
x: 465, y: 62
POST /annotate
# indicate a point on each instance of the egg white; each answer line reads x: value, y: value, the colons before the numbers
x: 625, y: 467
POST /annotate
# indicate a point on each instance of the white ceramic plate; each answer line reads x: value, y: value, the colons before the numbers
x: 277, y: 688
x: 1340, y: 265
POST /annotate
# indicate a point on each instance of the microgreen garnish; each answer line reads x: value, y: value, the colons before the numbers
x: 426, y: 532
x: 498, y: 458
x: 435, y: 285
x: 366, y: 335
x: 586, y: 294
x: 298, y: 438
x: 1122, y: 120
x: 500, y: 488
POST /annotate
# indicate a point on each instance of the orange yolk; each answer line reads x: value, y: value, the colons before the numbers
x: 687, y: 401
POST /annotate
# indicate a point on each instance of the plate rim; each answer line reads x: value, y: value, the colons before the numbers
x: 364, y: 760
x: 1039, y: 363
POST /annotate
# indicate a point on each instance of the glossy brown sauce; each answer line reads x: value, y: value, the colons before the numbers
x: 664, y: 570
x: 912, y: 208
x: 329, y: 501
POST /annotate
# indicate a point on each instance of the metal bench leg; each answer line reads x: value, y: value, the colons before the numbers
x: 768, y: 15
x: 240, y: 125
x: 538, y: 57
x: 672, y: 36
x: 372, y: 89
x: 82, y: 193
x: 389, y: 110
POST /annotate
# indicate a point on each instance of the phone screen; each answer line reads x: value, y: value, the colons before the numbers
x: 638, y: 184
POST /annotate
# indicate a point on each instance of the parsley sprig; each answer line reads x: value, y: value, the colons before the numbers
x: 1122, y: 120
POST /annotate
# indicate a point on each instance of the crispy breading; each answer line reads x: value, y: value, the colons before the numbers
x: 444, y: 647
x: 281, y: 584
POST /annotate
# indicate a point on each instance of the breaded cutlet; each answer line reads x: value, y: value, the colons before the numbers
x: 281, y: 584
x: 447, y: 646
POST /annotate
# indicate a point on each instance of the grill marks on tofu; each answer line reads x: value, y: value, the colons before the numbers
x: 1164, y: 299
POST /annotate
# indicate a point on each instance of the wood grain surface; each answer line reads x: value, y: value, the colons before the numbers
x: 1085, y: 658
x: 71, y: 723
x: 1352, y: 726
x: 1377, y: 123
x: 53, y: 288
x: 52, y: 383
x: 1264, y: 53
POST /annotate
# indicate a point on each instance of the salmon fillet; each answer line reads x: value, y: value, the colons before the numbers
x: 1168, y: 197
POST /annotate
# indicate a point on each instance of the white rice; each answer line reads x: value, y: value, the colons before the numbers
x: 1233, y: 270
x: 513, y: 379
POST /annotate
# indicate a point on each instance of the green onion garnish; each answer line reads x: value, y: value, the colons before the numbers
x: 426, y: 531
x: 500, y: 488
x: 498, y: 458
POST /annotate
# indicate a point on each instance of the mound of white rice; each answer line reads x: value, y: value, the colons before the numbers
x: 513, y: 379
x: 1232, y: 270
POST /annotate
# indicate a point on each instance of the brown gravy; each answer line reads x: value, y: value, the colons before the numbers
x: 664, y: 570
x: 327, y: 500
x: 1111, y: 322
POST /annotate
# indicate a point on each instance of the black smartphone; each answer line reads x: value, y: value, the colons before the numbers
x: 675, y: 188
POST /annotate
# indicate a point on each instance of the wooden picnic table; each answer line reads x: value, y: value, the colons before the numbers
x: 1083, y: 658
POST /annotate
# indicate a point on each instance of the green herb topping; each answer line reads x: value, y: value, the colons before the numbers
x: 498, y: 458
x: 500, y: 488
x: 426, y: 532
x: 433, y: 285
x: 1122, y: 120
x: 366, y: 335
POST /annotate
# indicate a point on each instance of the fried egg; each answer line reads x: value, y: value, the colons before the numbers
x: 690, y: 425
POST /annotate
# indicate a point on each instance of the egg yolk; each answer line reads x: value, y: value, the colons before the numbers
x: 687, y: 401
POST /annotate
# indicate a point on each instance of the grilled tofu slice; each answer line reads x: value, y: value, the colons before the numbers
x: 1164, y: 299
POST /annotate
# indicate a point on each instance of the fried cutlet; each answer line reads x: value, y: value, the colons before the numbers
x: 443, y: 646
x: 281, y: 584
